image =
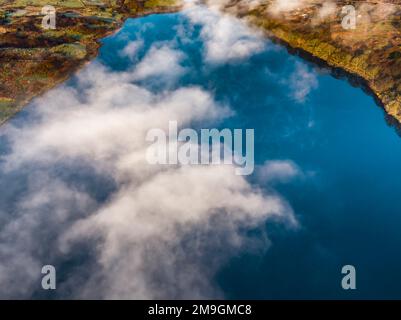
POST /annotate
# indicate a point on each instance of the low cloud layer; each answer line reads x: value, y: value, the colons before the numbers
x: 226, y: 38
x: 314, y: 12
x: 79, y: 194
x: 162, y: 62
x: 279, y: 171
x: 280, y: 6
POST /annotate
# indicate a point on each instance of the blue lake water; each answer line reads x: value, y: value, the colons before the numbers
x: 348, y: 201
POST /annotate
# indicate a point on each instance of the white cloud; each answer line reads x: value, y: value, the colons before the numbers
x: 220, y: 4
x: 280, y: 6
x: 162, y: 62
x: 278, y: 170
x: 151, y: 237
x: 161, y: 231
x: 131, y: 49
x: 328, y: 8
x: 302, y: 82
x: 226, y: 38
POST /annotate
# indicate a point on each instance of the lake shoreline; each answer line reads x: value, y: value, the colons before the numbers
x: 354, y: 78
x: 21, y: 67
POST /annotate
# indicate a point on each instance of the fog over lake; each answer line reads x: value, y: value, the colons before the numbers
x: 79, y: 194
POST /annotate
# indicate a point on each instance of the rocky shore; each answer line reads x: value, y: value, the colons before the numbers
x: 34, y: 60
x: 370, y: 51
